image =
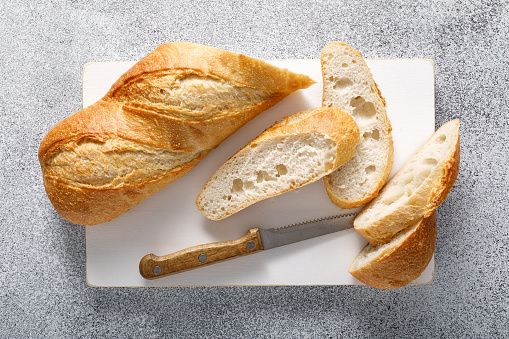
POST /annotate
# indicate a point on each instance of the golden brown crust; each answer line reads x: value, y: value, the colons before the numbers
x: 209, y: 61
x: 403, y: 262
x: 92, y: 206
x: 122, y: 117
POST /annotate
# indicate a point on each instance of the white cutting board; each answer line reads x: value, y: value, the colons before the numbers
x: 168, y: 221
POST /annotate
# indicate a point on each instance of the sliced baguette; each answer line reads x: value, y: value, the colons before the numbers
x: 349, y: 85
x: 401, y: 260
x: 295, y: 151
x: 418, y: 188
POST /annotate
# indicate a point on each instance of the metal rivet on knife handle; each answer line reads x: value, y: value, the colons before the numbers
x: 255, y: 240
x: 157, y: 270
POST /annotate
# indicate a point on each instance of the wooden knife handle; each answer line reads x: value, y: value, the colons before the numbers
x: 153, y: 266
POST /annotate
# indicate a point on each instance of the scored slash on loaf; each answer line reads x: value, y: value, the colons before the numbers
x: 157, y: 121
x: 295, y: 151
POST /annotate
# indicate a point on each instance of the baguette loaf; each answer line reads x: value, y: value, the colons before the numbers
x: 157, y: 121
x: 416, y: 190
x: 295, y: 151
x: 349, y: 85
x: 401, y: 260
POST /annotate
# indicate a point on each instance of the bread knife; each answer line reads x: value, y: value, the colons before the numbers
x: 256, y: 239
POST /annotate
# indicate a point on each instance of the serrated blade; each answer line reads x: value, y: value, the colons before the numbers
x: 255, y: 240
x: 275, y: 237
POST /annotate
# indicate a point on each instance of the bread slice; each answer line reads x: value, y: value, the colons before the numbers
x: 295, y: 151
x: 401, y: 260
x: 418, y: 188
x: 349, y: 85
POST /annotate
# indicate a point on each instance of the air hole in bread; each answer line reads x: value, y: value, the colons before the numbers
x: 237, y: 186
x: 344, y: 64
x: 430, y: 161
x: 253, y: 145
x: 357, y: 101
x: 249, y: 185
x: 162, y: 91
x: 353, y: 61
x: 370, y: 169
x: 375, y: 134
x: 281, y: 169
x: 442, y: 138
x: 366, y: 110
x: 342, y: 83
x: 262, y: 176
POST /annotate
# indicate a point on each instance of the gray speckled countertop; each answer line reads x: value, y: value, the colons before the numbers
x: 43, y: 291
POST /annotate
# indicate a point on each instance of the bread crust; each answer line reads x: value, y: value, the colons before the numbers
x: 339, y: 200
x: 333, y: 122
x: 402, y: 263
x: 111, y: 117
x: 209, y: 61
x: 87, y: 205
x: 422, y: 203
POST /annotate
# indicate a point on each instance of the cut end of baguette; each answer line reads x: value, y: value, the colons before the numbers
x: 288, y: 162
x: 401, y: 260
x: 296, y: 151
x: 349, y: 85
x: 416, y: 190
